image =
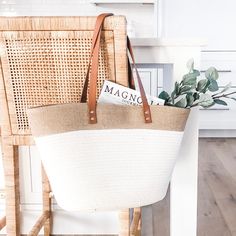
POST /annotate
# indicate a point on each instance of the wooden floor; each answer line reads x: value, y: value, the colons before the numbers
x: 217, y: 187
x: 217, y: 193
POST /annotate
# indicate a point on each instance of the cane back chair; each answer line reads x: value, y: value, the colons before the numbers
x: 44, y: 61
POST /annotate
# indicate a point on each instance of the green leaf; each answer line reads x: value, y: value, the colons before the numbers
x: 164, y: 95
x: 191, y: 78
x: 181, y: 103
x: 227, y: 87
x: 188, y: 80
x: 201, y: 85
x: 190, y: 99
x: 212, y: 73
x: 206, y: 87
x: 173, y: 94
x: 185, y: 89
x: 190, y: 65
x: 213, y: 87
x: 196, y: 96
x: 220, y: 102
x: 232, y: 98
x: 206, y: 100
x: 177, y: 88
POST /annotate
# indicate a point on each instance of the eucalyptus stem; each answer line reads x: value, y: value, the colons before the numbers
x: 192, y: 92
x: 195, y: 105
x: 224, y: 95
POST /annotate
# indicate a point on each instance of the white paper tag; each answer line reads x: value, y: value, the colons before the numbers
x: 121, y: 95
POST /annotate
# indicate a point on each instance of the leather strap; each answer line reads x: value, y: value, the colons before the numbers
x: 130, y: 75
x: 98, y: 28
x: 94, y: 73
x: 146, y: 107
x: 93, y: 84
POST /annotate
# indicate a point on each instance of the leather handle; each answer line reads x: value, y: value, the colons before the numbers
x: 94, y: 73
x: 96, y: 37
x: 146, y: 107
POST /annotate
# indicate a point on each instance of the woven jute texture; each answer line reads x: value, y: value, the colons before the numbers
x: 56, y: 119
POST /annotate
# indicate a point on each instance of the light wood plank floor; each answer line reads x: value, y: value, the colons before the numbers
x: 217, y: 192
x: 217, y: 187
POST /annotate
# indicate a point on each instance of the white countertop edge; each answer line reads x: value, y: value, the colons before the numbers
x: 175, y: 42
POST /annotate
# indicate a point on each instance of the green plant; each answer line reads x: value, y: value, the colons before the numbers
x: 191, y: 91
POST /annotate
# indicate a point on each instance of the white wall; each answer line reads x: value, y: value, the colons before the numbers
x: 143, y: 23
x: 212, y: 19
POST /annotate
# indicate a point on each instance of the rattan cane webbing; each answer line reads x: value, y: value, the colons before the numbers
x: 49, y: 68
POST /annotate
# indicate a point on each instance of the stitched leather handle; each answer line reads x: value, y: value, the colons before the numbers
x: 146, y: 107
x: 98, y: 28
x: 94, y: 73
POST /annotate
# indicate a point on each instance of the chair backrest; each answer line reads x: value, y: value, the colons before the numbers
x: 44, y: 61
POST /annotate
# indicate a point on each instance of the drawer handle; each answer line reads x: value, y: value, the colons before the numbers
x: 215, y: 109
x: 220, y: 71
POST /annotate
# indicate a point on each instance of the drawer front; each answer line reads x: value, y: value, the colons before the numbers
x: 224, y: 62
x: 219, y: 117
x: 231, y: 103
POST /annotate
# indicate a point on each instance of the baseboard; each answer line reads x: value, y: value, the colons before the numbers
x: 217, y: 133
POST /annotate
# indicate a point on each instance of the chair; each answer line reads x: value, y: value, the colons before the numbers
x: 2, y: 222
x: 44, y: 61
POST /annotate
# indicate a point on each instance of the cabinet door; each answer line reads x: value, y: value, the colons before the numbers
x: 220, y: 117
x: 30, y: 176
x: 224, y: 62
x: 152, y: 79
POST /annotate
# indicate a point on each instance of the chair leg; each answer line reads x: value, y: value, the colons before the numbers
x: 135, y: 227
x: 2, y: 222
x: 11, y: 172
x: 46, y: 203
x: 124, y: 219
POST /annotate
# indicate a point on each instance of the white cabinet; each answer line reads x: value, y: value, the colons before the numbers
x: 152, y: 79
x: 224, y: 62
x: 122, y: 1
x: 212, y: 20
x: 30, y: 177
x: 220, y: 117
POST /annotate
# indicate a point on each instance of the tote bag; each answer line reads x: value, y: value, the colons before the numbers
x: 104, y: 156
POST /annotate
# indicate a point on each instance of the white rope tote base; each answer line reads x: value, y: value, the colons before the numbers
x: 118, y: 163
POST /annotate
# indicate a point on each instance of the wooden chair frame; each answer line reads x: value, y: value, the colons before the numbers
x: 12, y: 137
x: 2, y: 222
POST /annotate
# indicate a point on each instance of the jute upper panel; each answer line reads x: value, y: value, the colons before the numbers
x: 71, y: 117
